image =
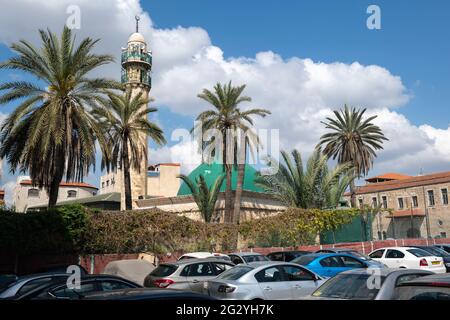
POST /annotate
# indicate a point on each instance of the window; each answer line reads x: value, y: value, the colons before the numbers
x: 255, y: 258
x: 430, y: 198
x: 374, y: 202
x: 394, y: 254
x: 443, y: 234
x: 331, y: 262
x: 33, y: 193
x: 221, y: 267
x: 384, y: 199
x: 415, y: 201
x: 401, y: 204
x: 297, y: 274
x: 107, y: 183
x: 377, y: 254
x: 278, y: 256
x: 164, y: 270
x: 103, y: 185
x: 269, y: 275
x: 236, y: 260
x: 351, y: 262
x: 65, y: 292
x: 419, y: 253
x: 444, y: 196
x: 200, y: 270
x: 407, y: 277
x: 71, y: 194
x: 235, y: 273
x: 361, y: 203
x: 114, y: 285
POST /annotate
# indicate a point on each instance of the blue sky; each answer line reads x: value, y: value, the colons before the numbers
x: 411, y: 50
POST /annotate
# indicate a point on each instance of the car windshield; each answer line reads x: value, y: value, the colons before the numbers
x: 235, y: 273
x: 255, y: 258
x: 164, y: 270
x: 419, y: 253
x: 422, y: 293
x: 350, y: 286
x: 304, y: 260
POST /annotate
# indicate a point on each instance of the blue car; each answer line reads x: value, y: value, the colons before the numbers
x: 330, y: 264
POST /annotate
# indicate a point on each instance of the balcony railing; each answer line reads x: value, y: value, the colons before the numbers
x: 145, y: 78
x: 135, y: 56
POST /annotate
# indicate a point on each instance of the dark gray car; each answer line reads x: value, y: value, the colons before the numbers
x: 365, y: 284
x: 28, y: 283
x: 247, y: 257
x: 186, y: 274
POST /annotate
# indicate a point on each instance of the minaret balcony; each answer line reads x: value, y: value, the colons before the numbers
x: 136, y: 57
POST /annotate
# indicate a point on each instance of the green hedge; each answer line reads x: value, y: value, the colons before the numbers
x: 76, y: 229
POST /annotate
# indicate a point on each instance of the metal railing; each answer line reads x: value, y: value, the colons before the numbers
x: 135, y: 56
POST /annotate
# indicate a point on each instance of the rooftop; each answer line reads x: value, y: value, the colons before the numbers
x: 425, y: 180
x: 63, y: 184
x: 388, y: 177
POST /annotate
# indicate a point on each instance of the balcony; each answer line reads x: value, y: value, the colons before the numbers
x: 144, y: 78
x: 136, y: 57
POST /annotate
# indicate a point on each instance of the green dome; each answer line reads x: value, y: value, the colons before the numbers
x: 214, y: 170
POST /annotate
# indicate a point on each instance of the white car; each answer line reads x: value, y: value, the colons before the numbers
x: 409, y: 258
x: 204, y: 255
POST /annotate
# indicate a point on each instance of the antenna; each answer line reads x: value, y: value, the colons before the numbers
x: 137, y: 22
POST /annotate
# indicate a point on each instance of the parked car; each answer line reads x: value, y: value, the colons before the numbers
x: 330, y: 264
x: 438, y: 253
x: 204, y: 255
x: 271, y: 280
x: 445, y: 247
x: 246, y: 257
x: 186, y: 274
x: 343, y: 250
x: 88, y: 284
x: 27, y: 283
x: 146, y: 294
x: 286, y: 256
x: 6, y: 280
x: 434, y: 287
x: 134, y: 270
x: 357, y: 284
x: 410, y: 258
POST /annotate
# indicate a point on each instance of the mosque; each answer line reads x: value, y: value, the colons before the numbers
x: 157, y: 186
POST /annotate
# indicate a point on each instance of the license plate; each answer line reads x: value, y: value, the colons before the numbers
x: 435, y: 262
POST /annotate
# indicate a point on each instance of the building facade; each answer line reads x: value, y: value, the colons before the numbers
x: 411, y: 207
x: 162, y: 181
x: 28, y: 196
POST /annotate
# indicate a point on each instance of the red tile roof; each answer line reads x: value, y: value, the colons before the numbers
x: 419, y: 181
x: 389, y: 176
x: 63, y: 184
x: 407, y: 213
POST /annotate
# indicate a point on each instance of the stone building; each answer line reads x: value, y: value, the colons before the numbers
x: 418, y: 206
x: 29, y: 197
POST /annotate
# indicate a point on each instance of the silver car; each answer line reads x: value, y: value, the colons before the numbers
x: 186, y: 274
x: 271, y: 280
x: 27, y: 283
x: 365, y: 284
x: 246, y: 257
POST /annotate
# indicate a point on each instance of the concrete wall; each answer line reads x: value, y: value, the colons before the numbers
x: 163, y: 181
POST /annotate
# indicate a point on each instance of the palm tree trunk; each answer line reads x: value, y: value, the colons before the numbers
x: 53, y: 191
x: 126, y: 176
x: 352, y: 193
x: 240, y: 179
x: 228, y: 194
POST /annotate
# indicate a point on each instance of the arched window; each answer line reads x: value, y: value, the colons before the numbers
x: 71, y: 194
x: 33, y: 193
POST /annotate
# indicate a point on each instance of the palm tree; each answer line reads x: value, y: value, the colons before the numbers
x: 204, y: 197
x: 226, y: 116
x: 51, y: 133
x: 124, y: 118
x: 352, y: 139
x: 315, y: 186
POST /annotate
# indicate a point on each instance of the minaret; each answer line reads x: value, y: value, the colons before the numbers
x: 136, y: 67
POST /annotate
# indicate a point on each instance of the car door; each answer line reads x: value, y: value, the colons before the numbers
x: 393, y: 258
x: 272, y: 284
x: 301, y: 281
x: 331, y: 266
x: 199, y: 273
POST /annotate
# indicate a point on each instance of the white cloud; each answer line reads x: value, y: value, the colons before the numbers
x: 300, y: 92
x: 9, y: 192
